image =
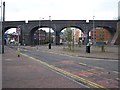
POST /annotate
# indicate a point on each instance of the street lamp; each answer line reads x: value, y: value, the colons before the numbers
x: 2, y: 21
x: 18, y: 30
x: 39, y: 31
x: 1, y: 49
x: 49, y: 33
x: 54, y: 40
x: 39, y: 24
x: 93, y: 31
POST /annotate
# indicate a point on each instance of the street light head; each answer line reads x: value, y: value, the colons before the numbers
x: 3, y: 3
x: 50, y: 18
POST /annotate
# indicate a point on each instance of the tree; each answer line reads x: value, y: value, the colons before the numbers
x: 102, y: 39
x: 68, y: 37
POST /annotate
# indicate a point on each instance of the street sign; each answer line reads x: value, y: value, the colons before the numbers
x: 18, y: 30
x: 100, y: 43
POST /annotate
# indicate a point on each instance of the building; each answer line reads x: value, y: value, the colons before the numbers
x: 77, y: 35
x: 101, y: 35
x: 40, y: 37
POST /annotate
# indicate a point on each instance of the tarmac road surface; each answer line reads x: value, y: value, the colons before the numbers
x: 25, y: 73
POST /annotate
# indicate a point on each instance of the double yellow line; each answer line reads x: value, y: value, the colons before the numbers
x: 75, y: 77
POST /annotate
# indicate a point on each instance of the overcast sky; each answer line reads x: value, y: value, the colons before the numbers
x: 61, y: 9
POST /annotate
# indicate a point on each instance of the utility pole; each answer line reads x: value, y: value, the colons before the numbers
x: 93, y: 31
x: 39, y: 30
x: 3, y: 11
x: 18, y: 30
x: 3, y: 27
x: 50, y: 32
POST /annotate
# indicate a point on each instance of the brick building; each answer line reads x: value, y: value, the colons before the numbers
x: 77, y: 35
x: 101, y: 35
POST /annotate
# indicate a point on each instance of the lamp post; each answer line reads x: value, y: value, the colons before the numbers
x: 2, y: 21
x: 49, y: 33
x: 39, y: 30
x: 1, y: 51
x: 93, y: 31
x: 54, y: 34
x: 18, y: 30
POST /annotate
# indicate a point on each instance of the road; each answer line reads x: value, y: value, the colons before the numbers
x: 109, y: 65
x: 24, y: 72
x: 96, y: 70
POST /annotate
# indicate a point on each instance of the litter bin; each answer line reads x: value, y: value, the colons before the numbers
x: 88, y: 48
x: 49, y: 46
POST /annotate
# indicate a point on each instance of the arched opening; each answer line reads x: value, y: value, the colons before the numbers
x: 101, y: 35
x: 73, y: 35
x: 10, y: 36
x: 40, y: 36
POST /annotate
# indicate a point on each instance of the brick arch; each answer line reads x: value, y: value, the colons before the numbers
x: 110, y: 33
x: 85, y: 26
x: 72, y: 27
x: 9, y: 27
x: 35, y: 28
x: 21, y: 33
x: 112, y: 30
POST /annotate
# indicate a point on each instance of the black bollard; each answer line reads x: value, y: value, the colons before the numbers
x: 88, y: 48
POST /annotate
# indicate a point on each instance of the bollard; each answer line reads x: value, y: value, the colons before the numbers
x: 49, y: 45
x: 88, y: 48
x: 18, y: 52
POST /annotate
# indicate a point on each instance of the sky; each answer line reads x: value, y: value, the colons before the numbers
x: 61, y: 9
x: 18, y: 10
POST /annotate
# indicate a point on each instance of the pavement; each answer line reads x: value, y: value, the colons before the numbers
x: 111, y: 52
x: 29, y: 73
